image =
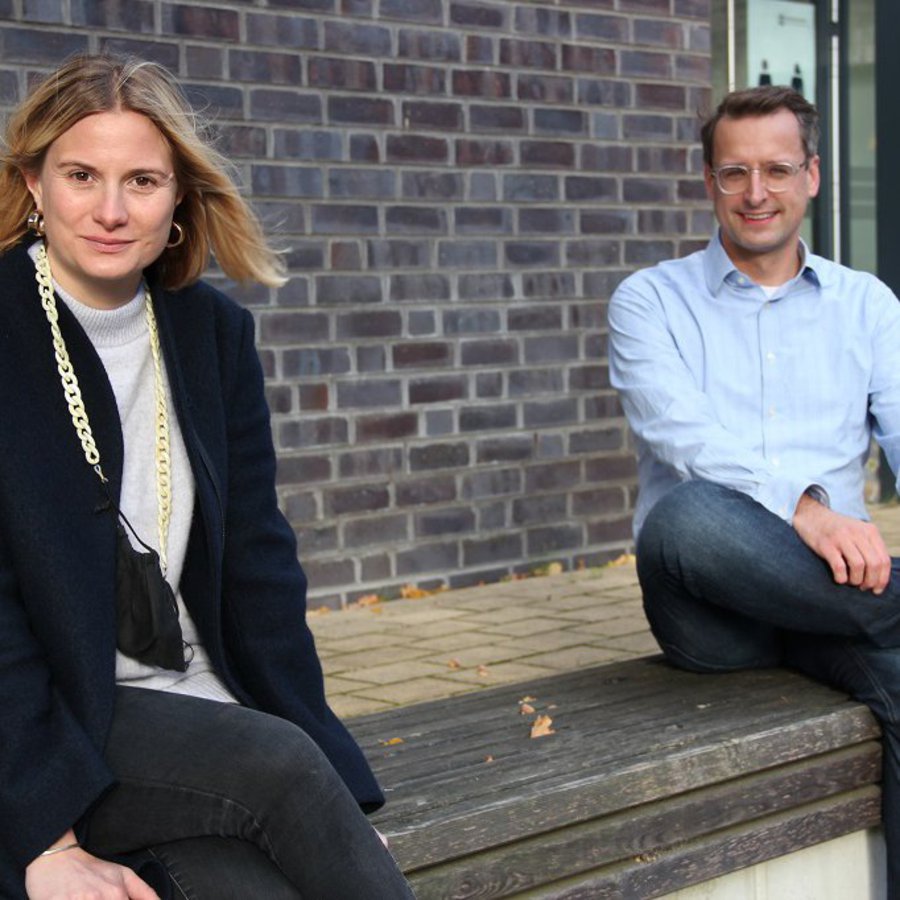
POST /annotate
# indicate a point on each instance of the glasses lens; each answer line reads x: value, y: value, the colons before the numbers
x: 733, y: 179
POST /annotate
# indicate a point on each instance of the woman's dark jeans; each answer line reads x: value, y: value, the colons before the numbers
x: 236, y: 803
x: 728, y: 585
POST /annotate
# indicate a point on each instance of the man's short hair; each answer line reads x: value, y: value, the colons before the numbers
x: 763, y: 101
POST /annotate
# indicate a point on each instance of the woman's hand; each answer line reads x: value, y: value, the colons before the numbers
x: 76, y: 875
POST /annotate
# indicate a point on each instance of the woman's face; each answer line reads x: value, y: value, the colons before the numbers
x: 107, y: 192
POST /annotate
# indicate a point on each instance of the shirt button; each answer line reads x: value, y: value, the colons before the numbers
x: 776, y: 462
x: 770, y: 356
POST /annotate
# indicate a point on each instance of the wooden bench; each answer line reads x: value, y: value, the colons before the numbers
x: 654, y: 780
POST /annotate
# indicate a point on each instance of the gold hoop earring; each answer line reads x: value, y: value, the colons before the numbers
x: 35, y: 222
x: 179, y: 240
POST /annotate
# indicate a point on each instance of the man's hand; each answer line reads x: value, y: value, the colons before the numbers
x: 853, y: 549
x: 76, y: 874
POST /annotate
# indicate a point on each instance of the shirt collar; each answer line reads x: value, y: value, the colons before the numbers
x: 719, y: 268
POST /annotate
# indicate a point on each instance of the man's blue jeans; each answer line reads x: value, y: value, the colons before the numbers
x: 237, y: 805
x: 728, y: 585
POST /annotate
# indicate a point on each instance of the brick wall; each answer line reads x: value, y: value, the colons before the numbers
x: 461, y: 185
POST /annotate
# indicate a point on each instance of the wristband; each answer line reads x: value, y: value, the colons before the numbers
x: 61, y: 848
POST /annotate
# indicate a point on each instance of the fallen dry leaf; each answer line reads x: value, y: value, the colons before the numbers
x: 555, y: 568
x: 390, y: 742
x: 411, y: 592
x: 483, y: 671
x: 319, y: 611
x: 454, y: 663
x: 528, y: 699
x: 367, y: 600
x: 626, y: 559
x: 489, y: 759
x: 541, y: 727
x: 525, y: 709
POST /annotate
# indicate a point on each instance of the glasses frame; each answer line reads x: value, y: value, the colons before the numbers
x: 796, y: 168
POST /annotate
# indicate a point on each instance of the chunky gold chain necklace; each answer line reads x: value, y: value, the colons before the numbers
x: 79, y: 413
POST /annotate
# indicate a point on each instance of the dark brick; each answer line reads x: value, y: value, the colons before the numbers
x: 599, y: 501
x: 552, y: 476
x: 353, y: 220
x: 699, y: 38
x: 604, y: 92
x: 659, y: 33
x: 467, y: 254
x: 647, y: 127
x: 482, y: 220
x: 699, y: 9
x: 602, y: 406
x: 360, y: 111
x: 551, y: 348
x: 313, y: 431
x: 325, y: 6
x: 241, y: 140
x: 410, y: 148
x: 416, y: 220
x: 487, y: 418
x: 398, y: 254
x: 560, y: 121
x: 662, y: 221
x: 315, y: 362
x: 370, y: 323
x: 313, y: 397
x: 345, y: 255
x: 293, y: 31
x: 481, y: 48
x: 513, y: 448
x: 544, y: 22
x: 545, y: 88
x: 283, y: 106
x: 481, y: 83
x: 426, y: 491
x: 279, y: 398
x: 421, y: 322
x: 359, y: 498
x: 419, y: 288
x: 429, y: 11
x: 270, y: 68
x: 166, y: 54
x: 693, y: 189
x: 364, y: 148
x: 300, y: 507
x: 587, y: 315
x: 439, y: 422
x: 548, y: 284
x: 471, y: 321
x: 134, y: 16
x: 607, y: 157
x: 489, y: 352
x: 553, y: 538
x: 438, y: 456
x: 497, y: 118
x: 432, y: 115
x: 596, y: 440
x: 343, y: 74
x: 607, y: 221
x: 438, y: 389
x: 483, y: 153
x: 530, y: 188
x: 376, y: 567
x: 612, y: 29
x: 489, y: 384
x: 532, y: 382
x: 611, y: 468
x: 693, y: 68
x: 613, y: 531
x: 492, y: 516
x: 485, y: 287
x: 43, y: 11
x: 533, y: 254
x: 293, y: 327
x: 550, y: 412
x: 588, y: 254
x: 539, y: 508
x: 482, y: 15
x: 662, y: 159
x: 323, y: 573
x: 368, y: 393
x: 433, y: 46
x: 288, y: 214
x: 644, y: 253
x: 535, y: 318
x: 433, y: 557
x: 375, y: 530
x: 300, y: 469
x: 645, y: 64
x: 387, y: 427
x: 409, y: 79
x: 557, y: 154
x: 354, y: 38
x: 450, y: 520
x: 421, y: 354
x: 418, y: 185
x: 488, y: 550
x: 647, y: 190
x: 26, y: 45
x: 662, y: 96
x: 588, y: 378
x: 200, y: 21
x: 347, y: 183
x: 366, y: 463
x: 590, y: 187
x: 490, y: 483
x: 347, y: 289
x: 528, y: 54
x: 593, y: 60
x: 287, y: 181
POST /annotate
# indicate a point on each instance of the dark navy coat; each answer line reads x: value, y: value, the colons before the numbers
x: 241, y: 579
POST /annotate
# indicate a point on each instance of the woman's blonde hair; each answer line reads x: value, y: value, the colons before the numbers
x: 214, y: 216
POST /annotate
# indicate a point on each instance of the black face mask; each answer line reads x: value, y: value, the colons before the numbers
x: 147, y: 627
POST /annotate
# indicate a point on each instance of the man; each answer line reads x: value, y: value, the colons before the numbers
x: 753, y: 374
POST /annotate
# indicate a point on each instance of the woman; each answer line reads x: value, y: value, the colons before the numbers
x: 187, y: 736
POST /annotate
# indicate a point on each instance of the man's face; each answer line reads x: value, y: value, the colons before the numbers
x: 761, y: 227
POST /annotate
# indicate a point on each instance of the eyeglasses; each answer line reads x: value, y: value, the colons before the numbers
x: 775, y: 176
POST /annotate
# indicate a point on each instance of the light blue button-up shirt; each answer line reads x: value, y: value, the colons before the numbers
x: 769, y: 396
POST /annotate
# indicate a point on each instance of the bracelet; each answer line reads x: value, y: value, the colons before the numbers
x: 61, y: 848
